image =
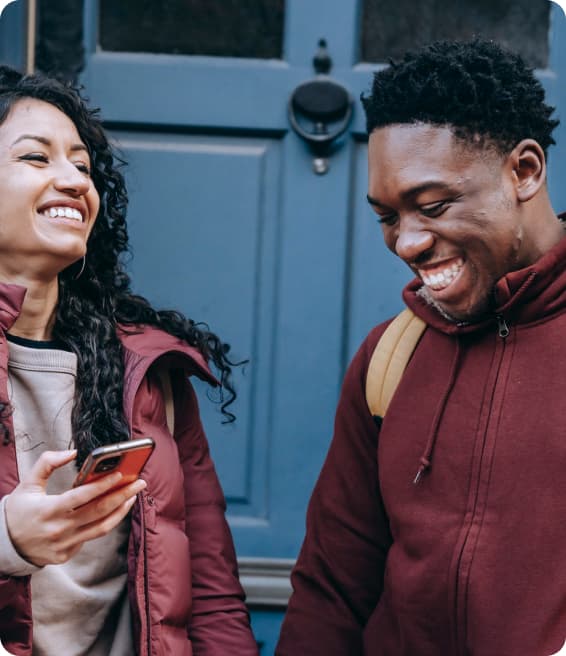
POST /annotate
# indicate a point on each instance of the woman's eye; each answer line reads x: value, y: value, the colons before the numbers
x: 83, y: 168
x: 435, y: 209
x: 35, y: 157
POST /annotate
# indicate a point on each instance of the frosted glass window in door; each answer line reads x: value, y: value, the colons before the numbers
x: 391, y: 27
x: 226, y: 28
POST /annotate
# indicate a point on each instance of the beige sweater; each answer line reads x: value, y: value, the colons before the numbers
x: 80, y: 608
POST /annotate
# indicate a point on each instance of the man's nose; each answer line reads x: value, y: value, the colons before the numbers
x: 413, y: 240
x: 69, y: 179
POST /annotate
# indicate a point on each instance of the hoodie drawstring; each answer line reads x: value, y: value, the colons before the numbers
x: 426, y: 458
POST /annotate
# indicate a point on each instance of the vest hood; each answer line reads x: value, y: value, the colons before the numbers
x: 11, y: 300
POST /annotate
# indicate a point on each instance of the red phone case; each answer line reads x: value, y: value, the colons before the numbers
x: 128, y: 458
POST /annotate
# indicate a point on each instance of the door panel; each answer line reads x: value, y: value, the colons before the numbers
x: 13, y: 24
x: 555, y: 84
x: 192, y: 228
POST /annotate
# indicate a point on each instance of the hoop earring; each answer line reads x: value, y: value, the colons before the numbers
x: 80, y: 273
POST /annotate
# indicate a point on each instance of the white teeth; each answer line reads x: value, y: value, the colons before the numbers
x: 442, y: 279
x: 64, y: 212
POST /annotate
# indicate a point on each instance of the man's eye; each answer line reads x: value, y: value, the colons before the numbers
x: 435, y: 209
x: 387, y: 219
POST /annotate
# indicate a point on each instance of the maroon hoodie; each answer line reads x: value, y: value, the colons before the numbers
x: 471, y: 560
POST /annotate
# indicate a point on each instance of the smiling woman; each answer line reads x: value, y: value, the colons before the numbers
x: 50, y: 205
x: 147, y: 567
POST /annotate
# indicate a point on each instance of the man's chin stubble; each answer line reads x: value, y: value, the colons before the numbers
x: 424, y: 293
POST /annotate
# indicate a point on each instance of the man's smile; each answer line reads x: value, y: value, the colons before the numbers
x: 439, y: 277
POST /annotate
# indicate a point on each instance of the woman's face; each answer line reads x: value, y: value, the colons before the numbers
x: 48, y: 201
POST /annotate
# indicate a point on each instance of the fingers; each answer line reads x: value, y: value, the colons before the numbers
x: 102, y: 527
x: 66, y: 548
x: 106, y: 504
x: 83, y: 494
x: 66, y: 532
x: 46, y: 464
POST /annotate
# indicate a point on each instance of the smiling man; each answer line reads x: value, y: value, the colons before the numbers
x: 440, y: 529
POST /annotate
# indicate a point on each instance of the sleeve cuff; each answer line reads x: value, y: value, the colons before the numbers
x: 11, y: 563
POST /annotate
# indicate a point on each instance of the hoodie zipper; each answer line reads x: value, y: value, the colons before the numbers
x: 477, y: 501
x: 502, y: 327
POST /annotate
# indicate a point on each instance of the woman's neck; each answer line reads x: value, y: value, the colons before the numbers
x: 37, y: 315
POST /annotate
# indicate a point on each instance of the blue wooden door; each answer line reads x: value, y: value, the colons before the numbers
x: 230, y: 224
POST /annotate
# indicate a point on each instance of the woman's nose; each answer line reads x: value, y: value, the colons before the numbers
x: 70, y: 180
x: 412, y: 240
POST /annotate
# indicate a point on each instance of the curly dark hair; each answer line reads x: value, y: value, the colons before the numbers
x: 92, y: 306
x: 476, y: 87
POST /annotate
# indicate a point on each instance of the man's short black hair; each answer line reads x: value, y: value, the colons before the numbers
x: 475, y: 87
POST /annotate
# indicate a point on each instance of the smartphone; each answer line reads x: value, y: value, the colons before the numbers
x: 125, y: 457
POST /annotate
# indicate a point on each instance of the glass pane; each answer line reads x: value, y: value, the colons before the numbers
x: 391, y: 27
x: 227, y: 28
x: 60, y: 50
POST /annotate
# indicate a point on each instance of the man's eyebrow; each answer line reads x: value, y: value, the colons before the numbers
x: 373, y: 201
x: 414, y: 191
x: 46, y: 142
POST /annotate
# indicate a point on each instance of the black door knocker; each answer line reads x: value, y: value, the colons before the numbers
x: 320, y: 110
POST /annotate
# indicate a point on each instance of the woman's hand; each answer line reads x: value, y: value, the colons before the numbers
x: 50, y: 528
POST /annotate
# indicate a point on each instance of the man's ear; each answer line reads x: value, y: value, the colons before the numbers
x: 528, y: 167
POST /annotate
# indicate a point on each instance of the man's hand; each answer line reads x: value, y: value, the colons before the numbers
x: 50, y: 529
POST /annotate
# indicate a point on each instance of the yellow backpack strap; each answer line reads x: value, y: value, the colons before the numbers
x: 389, y: 359
x: 165, y: 379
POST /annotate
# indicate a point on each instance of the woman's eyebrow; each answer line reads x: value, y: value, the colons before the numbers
x: 46, y: 142
x: 33, y: 137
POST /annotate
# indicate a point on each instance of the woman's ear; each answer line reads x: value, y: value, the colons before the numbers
x: 528, y: 166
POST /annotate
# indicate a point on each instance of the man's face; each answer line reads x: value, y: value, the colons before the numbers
x: 450, y: 212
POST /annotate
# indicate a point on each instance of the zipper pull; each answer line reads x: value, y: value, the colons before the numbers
x: 502, y: 327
